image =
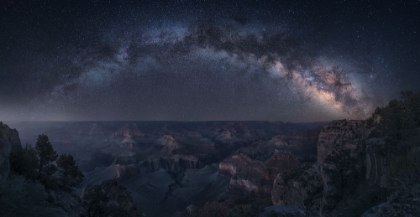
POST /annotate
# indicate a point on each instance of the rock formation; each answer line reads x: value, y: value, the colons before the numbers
x: 254, y: 176
x: 302, y: 188
x: 126, y: 136
x: 10, y: 147
x: 169, y: 144
x: 340, y: 135
x: 375, y: 164
x: 248, y: 175
x: 168, y: 166
x: 321, y: 187
x: 286, y: 192
x: 280, y: 162
x: 227, y: 137
x: 278, y: 141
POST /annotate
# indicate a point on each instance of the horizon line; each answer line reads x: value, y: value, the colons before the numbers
x: 180, y: 121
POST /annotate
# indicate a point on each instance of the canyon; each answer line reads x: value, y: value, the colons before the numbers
x: 222, y: 168
x: 170, y: 166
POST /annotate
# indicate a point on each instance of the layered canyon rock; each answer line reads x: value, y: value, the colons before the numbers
x: 254, y: 176
x: 126, y: 136
x: 164, y: 164
x: 339, y: 170
x: 340, y: 135
x: 169, y: 144
x: 248, y: 175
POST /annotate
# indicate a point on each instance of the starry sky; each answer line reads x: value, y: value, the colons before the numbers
x: 203, y: 60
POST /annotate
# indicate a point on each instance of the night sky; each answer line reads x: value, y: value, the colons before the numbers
x: 296, y: 61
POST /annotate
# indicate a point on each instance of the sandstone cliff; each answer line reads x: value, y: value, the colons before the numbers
x: 340, y: 135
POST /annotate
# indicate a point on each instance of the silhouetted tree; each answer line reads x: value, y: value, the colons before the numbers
x: 69, y: 174
x: 399, y: 122
x: 46, y: 156
x: 30, y: 163
x: 105, y: 201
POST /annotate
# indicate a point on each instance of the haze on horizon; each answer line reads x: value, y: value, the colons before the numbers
x: 204, y: 60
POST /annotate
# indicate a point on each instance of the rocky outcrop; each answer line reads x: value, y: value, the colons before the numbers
x: 278, y: 141
x: 128, y: 132
x: 340, y: 135
x: 286, y: 192
x: 338, y: 173
x: 227, y: 137
x: 169, y: 144
x: 248, y: 175
x: 126, y: 136
x: 254, y: 176
x: 342, y: 161
x: 10, y: 147
x: 301, y: 188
